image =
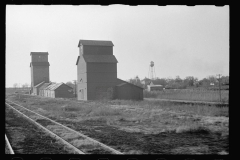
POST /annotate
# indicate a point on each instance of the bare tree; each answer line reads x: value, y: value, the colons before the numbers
x: 73, y: 85
x: 25, y: 86
x: 136, y: 81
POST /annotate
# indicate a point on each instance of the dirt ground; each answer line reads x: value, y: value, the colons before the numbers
x: 7, y: 151
x: 135, y: 129
x: 201, y: 142
x: 25, y: 138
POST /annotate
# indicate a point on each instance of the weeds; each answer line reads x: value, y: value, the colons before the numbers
x: 186, y: 94
x: 105, y: 111
x: 142, y: 116
x: 198, y: 129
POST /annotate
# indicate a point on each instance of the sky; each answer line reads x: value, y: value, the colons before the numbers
x: 180, y: 40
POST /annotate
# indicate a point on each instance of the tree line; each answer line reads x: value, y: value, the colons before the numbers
x: 168, y: 83
x: 179, y: 83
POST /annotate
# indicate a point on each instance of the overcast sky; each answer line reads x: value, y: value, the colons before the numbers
x: 182, y: 41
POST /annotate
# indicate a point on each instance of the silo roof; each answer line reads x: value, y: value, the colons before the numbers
x: 53, y: 86
x: 95, y: 43
x: 39, y: 84
x: 100, y: 58
x: 44, y: 86
x: 122, y: 82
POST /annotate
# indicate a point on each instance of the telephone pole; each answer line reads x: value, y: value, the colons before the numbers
x: 219, y: 86
x: 75, y: 86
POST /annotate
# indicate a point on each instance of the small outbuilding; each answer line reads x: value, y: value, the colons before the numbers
x: 58, y: 90
x: 127, y: 91
x: 36, y: 88
x: 41, y: 89
x: 152, y: 87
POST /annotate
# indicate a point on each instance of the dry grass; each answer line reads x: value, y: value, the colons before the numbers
x: 203, y: 110
x: 192, y: 129
x: 202, y: 149
x: 191, y: 95
x: 81, y: 142
x: 150, y: 117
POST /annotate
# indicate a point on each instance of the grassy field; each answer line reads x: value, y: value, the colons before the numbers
x: 189, y: 94
x: 9, y: 91
x: 181, y: 124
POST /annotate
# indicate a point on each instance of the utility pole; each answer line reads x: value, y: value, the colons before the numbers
x: 219, y: 85
x: 75, y: 86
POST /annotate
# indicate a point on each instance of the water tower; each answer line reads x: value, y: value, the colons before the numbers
x: 151, y: 72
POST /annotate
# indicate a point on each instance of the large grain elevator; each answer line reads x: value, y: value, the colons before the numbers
x: 97, y: 73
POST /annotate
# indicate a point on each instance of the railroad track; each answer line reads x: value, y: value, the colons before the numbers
x: 78, y: 142
x: 8, y: 147
x: 25, y: 137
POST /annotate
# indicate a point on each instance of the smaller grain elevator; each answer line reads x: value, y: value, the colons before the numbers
x: 39, y: 68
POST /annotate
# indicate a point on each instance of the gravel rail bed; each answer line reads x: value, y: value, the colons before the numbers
x: 82, y: 143
x: 7, y: 151
x: 26, y: 138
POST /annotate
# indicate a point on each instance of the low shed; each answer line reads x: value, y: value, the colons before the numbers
x: 58, y: 90
x: 155, y: 87
x: 128, y: 91
x: 41, y: 89
x: 36, y: 88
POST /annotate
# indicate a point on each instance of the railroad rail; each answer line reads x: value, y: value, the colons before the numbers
x: 185, y: 101
x: 49, y: 132
x: 8, y: 145
x: 79, y: 142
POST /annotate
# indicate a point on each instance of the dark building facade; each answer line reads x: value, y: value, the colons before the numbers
x: 39, y: 68
x: 97, y: 71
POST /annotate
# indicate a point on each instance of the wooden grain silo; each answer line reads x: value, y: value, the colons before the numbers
x: 97, y: 74
x: 97, y: 69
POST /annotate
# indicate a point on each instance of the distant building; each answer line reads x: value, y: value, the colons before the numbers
x: 152, y: 87
x: 39, y: 69
x: 211, y: 84
x: 40, y: 78
x: 97, y: 73
x: 146, y: 81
